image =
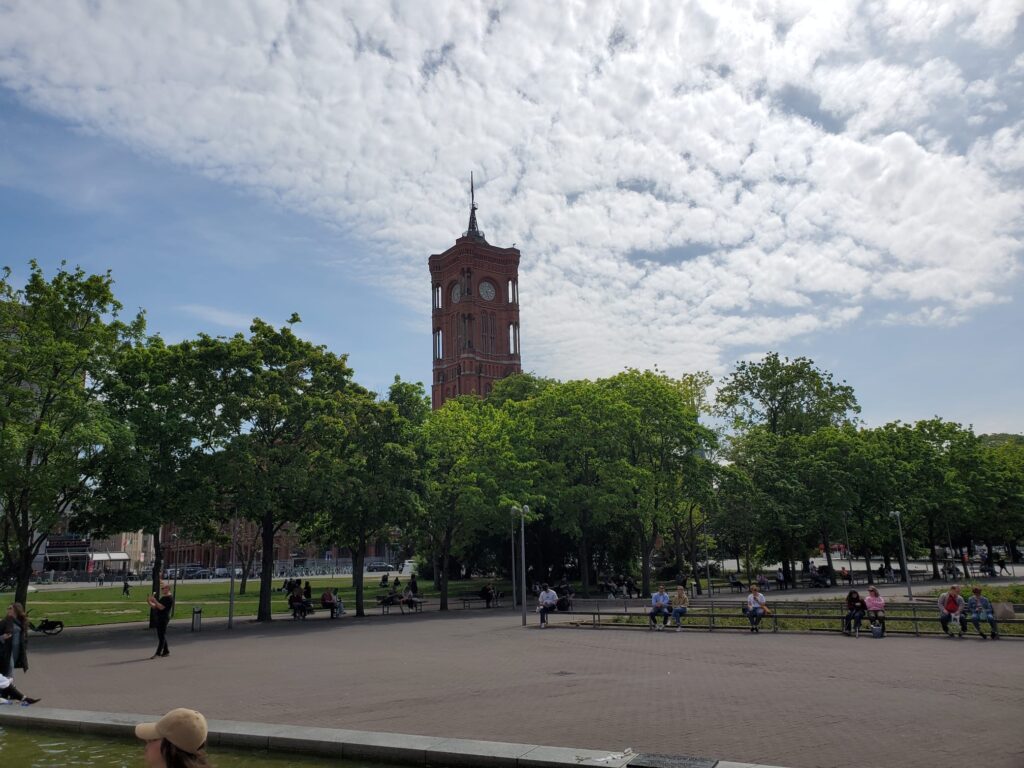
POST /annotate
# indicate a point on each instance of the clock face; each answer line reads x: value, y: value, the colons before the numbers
x: 486, y: 291
x: 456, y: 293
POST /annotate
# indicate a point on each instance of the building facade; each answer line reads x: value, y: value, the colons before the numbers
x: 475, y: 288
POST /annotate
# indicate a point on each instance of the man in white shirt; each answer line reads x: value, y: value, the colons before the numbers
x: 660, y: 606
x: 547, y: 602
x: 756, y: 608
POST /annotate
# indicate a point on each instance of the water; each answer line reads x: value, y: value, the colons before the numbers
x: 27, y: 748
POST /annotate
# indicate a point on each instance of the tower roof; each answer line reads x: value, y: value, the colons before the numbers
x: 473, y: 231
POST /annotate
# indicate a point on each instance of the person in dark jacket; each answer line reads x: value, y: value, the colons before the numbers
x: 855, y: 611
x: 14, y: 641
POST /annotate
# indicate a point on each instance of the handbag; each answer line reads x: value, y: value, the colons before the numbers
x: 876, y: 630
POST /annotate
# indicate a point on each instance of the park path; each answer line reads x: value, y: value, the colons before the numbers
x: 792, y: 700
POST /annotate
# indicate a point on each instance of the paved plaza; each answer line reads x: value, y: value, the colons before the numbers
x: 790, y: 700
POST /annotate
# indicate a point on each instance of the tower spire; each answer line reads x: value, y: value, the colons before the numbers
x: 473, y: 230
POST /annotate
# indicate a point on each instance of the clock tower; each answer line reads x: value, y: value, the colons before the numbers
x: 475, y: 287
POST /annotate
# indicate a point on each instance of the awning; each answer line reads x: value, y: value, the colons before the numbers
x: 98, y: 557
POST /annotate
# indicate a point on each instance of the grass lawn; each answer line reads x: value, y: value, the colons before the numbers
x: 105, y: 605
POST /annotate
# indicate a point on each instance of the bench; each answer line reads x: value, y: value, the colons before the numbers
x: 388, y: 601
x: 469, y: 600
x: 728, y: 616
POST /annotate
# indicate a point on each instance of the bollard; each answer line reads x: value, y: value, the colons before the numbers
x: 197, y: 618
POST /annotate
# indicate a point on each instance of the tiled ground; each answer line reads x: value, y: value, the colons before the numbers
x: 789, y: 700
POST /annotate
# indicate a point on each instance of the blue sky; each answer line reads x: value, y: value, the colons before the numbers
x: 689, y: 186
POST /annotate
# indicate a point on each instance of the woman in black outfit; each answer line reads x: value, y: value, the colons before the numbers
x: 855, y: 610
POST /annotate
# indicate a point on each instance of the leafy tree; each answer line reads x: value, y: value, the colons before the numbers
x: 58, y: 338
x: 785, y: 397
x: 365, y: 466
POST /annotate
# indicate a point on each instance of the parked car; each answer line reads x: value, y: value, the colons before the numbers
x: 223, y: 573
x: 379, y: 567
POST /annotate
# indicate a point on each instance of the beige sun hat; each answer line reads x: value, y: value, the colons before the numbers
x: 184, y: 728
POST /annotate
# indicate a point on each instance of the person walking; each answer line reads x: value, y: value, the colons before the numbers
x: 176, y: 740
x: 855, y: 610
x: 126, y: 587
x: 680, y: 605
x: 163, y: 608
x: 951, y: 608
x: 660, y: 607
x: 756, y: 608
x: 14, y: 634
x: 980, y: 608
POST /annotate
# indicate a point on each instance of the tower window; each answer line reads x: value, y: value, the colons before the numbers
x: 513, y: 338
x: 438, y: 344
x: 437, y: 296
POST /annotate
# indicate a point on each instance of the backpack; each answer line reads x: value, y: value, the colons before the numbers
x: 876, y: 630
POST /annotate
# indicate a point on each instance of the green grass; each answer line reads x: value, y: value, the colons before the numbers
x: 104, y: 605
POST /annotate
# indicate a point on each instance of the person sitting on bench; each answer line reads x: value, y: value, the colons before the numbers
x: 298, y: 604
x: 487, y: 594
x: 660, y: 607
x: 735, y: 581
x: 951, y: 608
x: 547, y: 601
x: 409, y: 599
x: 680, y: 604
x: 327, y: 601
x: 981, y: 608
x: 875, y: 605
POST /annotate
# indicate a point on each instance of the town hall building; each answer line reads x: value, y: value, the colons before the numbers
x: 475, y: 314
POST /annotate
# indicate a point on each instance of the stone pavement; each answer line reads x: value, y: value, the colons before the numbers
x: 790, y: 700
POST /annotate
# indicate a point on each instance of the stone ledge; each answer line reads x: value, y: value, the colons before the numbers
x: 405, y: 749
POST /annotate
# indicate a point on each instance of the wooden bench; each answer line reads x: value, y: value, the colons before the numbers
x: 387, y: 602
x: 469, y: 600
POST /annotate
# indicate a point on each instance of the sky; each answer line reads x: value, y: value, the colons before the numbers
x: 690, y: 184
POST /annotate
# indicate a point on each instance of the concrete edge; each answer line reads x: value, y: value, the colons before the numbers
x: 396, y: 748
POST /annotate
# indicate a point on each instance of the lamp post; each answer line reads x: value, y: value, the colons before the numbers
x: 849, y: 554
x: 231, y: 596
x: 522, y: 512
x: 513, y: 524
x: 174, y: 592
x: 903, y: 548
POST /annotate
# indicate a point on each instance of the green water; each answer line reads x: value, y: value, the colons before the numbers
x: 53, y: 749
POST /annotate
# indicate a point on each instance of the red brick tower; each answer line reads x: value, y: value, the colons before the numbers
x: 476, y: 314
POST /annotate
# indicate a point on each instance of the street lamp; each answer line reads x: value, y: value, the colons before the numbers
x: 903, y: 548
x: 522, y: 512
x: 513, y: 526
x: 174, y: 593
x: 849, y: 554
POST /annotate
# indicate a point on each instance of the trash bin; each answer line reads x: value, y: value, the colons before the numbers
x: 197, y: 618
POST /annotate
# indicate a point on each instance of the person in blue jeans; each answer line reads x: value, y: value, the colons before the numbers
x: 660, y: 607
x: 981, y: 608
x: 680, y: 604
x: 756, y: 608
x: 547, y: 601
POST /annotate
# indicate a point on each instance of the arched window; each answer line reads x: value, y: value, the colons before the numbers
x: 513, y: 338
x: 438, y: 298
x: 438, y: 344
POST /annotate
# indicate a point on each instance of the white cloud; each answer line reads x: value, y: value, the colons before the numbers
x: 685, y: 181
x: 225, y: 318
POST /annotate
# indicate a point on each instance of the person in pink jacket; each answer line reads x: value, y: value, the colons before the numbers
x: 876, y: 608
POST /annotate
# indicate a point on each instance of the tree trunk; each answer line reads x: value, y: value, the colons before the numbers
x: 358, y: 557
x: 867, y: 564
x: 931, y: 549
x: 446, y: 545
x: 24, y: 573
x: 246, y: 568
x: 267, y: 576
x: 692, y: 530
x: 158, y: 572
x: 584, y: 566
x: 828, y: 556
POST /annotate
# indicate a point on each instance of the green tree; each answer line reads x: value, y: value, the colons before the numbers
x: 58, y: 338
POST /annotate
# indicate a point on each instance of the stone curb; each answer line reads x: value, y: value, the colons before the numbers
x: 405, y: 749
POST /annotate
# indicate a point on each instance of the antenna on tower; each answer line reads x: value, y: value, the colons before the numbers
x: 473, y: 230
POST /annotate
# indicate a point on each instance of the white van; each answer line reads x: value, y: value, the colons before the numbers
x: 408, y: 568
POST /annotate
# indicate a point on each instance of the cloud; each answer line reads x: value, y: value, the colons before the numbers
x: 685, y: 181
x: 235, y: 321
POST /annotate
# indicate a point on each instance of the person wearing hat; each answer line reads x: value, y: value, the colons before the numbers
x: 875, y: 604
x: 176, y: 740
